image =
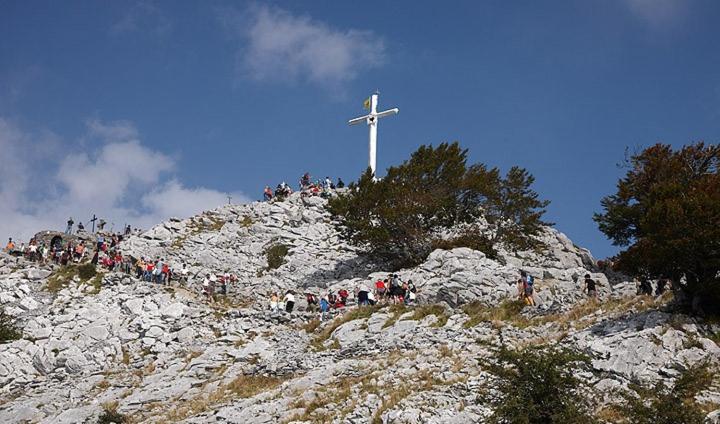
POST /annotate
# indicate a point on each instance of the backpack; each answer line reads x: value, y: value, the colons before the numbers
x: 529, y: 282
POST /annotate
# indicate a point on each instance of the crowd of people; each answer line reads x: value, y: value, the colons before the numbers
x: 306, y: 186
x: 391, y: 290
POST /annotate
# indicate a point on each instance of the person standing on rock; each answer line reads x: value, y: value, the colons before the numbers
x: 10, y: 245
x: 590, y: 286
x: 70, y: 223
x: 324, y: 308
x: 267, y: 194
x: 528, y: 288
x: 274, y: 300
x: 289, y: 300
x: 208, y: 287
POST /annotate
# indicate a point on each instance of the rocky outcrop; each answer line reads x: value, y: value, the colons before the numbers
x: 164, y: 354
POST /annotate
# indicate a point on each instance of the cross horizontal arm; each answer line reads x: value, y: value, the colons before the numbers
x: 358, y: 120
x: 388, y: 112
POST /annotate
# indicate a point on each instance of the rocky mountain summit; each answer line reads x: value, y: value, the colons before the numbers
x: 161, y: 353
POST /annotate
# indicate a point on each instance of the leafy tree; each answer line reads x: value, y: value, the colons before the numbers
x: 670, y: 405
x: 537, y: 385
x: 403, y: 215
x: 667, y: 211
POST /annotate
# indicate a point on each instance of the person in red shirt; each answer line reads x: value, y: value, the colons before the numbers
x: 380, y: 289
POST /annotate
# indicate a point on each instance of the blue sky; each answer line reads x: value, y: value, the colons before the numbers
x: 141, y: 110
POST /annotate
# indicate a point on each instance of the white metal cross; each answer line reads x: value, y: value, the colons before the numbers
x: 372, y: 121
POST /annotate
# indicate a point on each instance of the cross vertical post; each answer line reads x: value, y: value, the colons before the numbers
x: 372, y: 121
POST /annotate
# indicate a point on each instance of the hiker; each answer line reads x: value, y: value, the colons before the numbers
x: 661, y: 286
x: 274, y: 300
x: 410, y: 292
x: 362, y: 296
x: 128, y: 230
x: 371, y: 298
x: 328, y: 184
x: 380, y: 288
x: 70, y: 223
x: 208, y: 287
x: 311, y: 301
x: 305, y: 181
x: 324, y: 308
x: 529, y: 288
x: 184, y: 274
x: 157, y: 271
x: 101, y: 225
x: 590, y: 286
x: 645, y: 287
x: 343, y: 296
x: 267, y: 194
x: 340, y: 183
x: 289, y: 300
x: 10, y: 245
x: 81, y: 227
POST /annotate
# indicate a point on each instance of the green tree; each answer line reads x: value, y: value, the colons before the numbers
x: 662, y: 404
x: 537, y: 385
x: 402, y: 215
x: 667, y: 212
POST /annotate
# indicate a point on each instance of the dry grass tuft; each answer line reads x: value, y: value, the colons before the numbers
x: 362, y: 312
x: 425, y: 310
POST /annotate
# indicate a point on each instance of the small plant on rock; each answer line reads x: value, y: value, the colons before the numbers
x: 275, y: 255
x: 670, y: 405
x: 110, y: 415
x: 8, y: 329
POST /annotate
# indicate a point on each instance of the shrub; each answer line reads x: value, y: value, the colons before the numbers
x: 111, y: 416
x: 275, y: 255
x: 8, y: 329
x: 400, y: 215
x: 536, y: 385
x: 670, y: 405
x: 86, y: 271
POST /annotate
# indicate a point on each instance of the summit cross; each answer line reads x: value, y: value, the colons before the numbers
x: 372, y: 121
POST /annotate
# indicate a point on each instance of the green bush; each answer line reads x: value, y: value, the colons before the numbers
x: 536, y: 385
x: 111, y: 416
x: 670, y: 405
x: 275, y: 255
x: 8, y: 329
x: 399, y: 216
x: 86, y: 271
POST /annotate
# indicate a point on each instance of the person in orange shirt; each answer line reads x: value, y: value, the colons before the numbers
x: 10, y: 245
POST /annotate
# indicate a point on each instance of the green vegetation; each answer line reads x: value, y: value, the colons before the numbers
x: 111, y: 416
x: 62, y: 277
x: 537, y: 385
x: 670, y: 405
x: 196, y: 226
x: 275, y: 255
x: 421, y: 312
x: 509, y: 310
x: 666, y: 212
x: 400, y: 215
x: 8, y: 329
x: 86, y: 271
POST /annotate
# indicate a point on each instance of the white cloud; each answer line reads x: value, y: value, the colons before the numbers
x: 657, y: 13
x: 282, y: 46
x: 121, y: 180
